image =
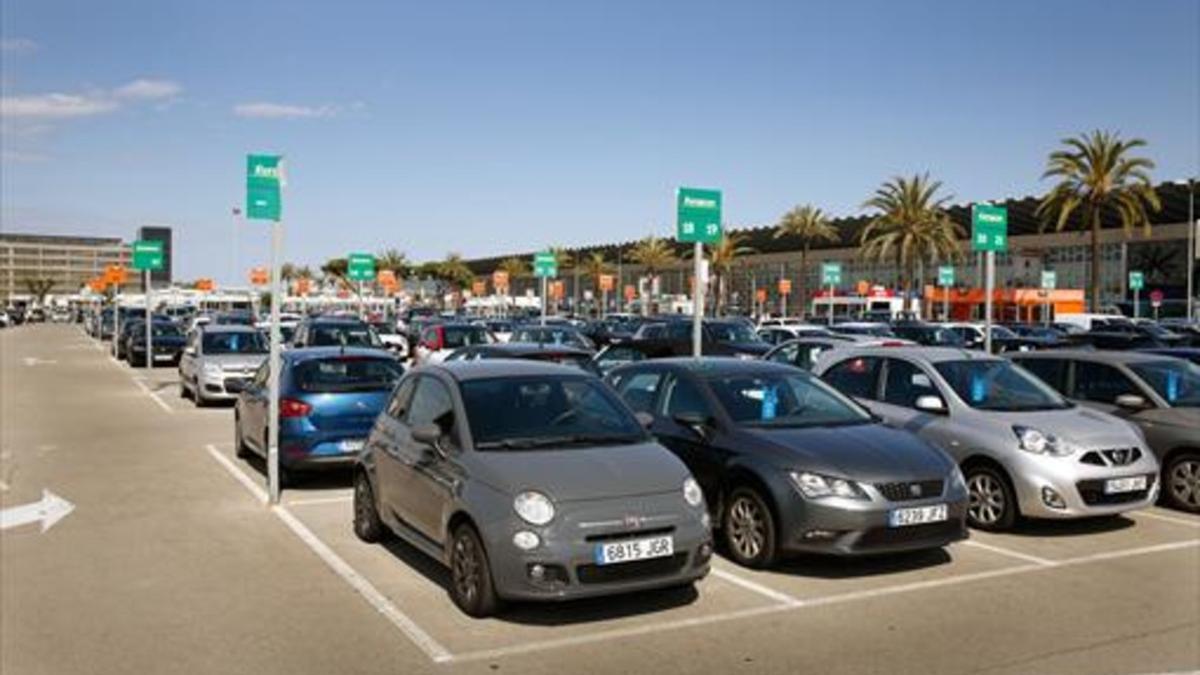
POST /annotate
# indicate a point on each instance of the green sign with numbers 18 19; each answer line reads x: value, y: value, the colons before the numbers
x: 698, y: 215
x: 989, y: 228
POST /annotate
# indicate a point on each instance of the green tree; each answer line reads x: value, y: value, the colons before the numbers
x: 721, y: 258
x: 39, y: 288
x: 911, y: 225
x: 454, y: 272
x: 654, y: 255
x: 392, y: 260
x: 808, y: 225
x: 517, y: 269
x: 594, y: 265
x: 1096, y: 173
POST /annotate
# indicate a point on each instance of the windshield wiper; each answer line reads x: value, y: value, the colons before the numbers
x: 532, y: 442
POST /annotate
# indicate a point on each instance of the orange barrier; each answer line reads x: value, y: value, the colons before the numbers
x: 1019, y: 304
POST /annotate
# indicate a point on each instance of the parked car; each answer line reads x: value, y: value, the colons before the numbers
x: 720, y: 337
x: 329, y: 398
x: 167, y: 342
x: 529, y: 481
x: 1086, y: 322
x: 1024, y: 449
x: 790, y: 465
x: 778, y: 334
x: 329, y: 331
x: 393, y: 340
x: 570, y: 356
x: 218, y: 361
x: 440, y: 339
x: 928, y: 334
x: 1159, y: 394
x: 803, y: 352
x: 872, y: 328
x: 569, y: 336
x: 1003, y: 339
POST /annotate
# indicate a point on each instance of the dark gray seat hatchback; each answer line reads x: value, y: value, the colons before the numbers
x: 530, y: 481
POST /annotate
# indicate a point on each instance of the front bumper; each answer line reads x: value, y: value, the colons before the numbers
x: 850, y: 527
x: 224, y: 387
x: 1079, y: 486
x: 567, y: 552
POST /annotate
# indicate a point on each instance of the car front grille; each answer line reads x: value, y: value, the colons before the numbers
x: 1113, y: 457
x: 906, y: 491
x: 1092, y: 492
x: 234, y: 385
x: 884, y: 537
x: 631, y: 534
x: 631, y: 571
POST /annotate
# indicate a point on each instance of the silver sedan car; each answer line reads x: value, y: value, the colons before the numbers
x: 530, y: 481
x: 1024, y: 449
x: 218, y: 361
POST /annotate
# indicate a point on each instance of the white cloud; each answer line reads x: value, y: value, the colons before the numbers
x: 265, y: 110
x: 148, y: 89
x: 56, y: 106
x: 17, y: 45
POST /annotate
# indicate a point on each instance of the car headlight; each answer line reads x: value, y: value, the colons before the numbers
x: 534, y: 508
x: 212, y: 369
x: 692, y: 494
x: 1041, y: 443
x: 817, y: 486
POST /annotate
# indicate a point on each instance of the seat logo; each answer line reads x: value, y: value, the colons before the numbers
x: 914, y: 489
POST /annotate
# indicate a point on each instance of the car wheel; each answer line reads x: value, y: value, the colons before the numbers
x: 183, y: 390
x: 470, y: 576
x: 367, y: 524
x: 239, y: 441
x: 1181, y: 478
x: 749, y: 529
x: 991, y: 504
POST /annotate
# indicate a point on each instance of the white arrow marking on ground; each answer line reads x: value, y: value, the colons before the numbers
x: 49, y: 511
x: 34, y: 361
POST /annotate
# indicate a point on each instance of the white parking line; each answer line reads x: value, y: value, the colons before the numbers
x: 154, y: 395
x: 434, y: 650
x: 1010, y: 553
x: 781, y: 598
x: 339, y: 499
x: 1167, y: 519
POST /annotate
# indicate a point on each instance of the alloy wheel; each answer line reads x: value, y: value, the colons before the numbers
x: 987, y: 502
x: 465, y: 569
x: 747, y: 528
x: 1184, y: 482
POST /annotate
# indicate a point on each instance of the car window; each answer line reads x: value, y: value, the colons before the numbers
x: 431, y: 404
x: 461, y: 336
x: 995, y: 384
x: 682, y: 396
x: 222, y: 342
x: 346, y: 374
x: 855, y: 377
x: 349, y: 335
x: 905, y: 383
x: 679, y: 330
x: 787, y: 354
x: 399, y: 403
x: 1176, y: 381
x: 640, y: 390
x: 1051, y: 371
x: 1101, y: 383
x: 654, y: 332
x: 616, y: 355
x: 784, y: 399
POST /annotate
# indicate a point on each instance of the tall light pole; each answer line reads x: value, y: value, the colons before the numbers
x: 1191, y: 254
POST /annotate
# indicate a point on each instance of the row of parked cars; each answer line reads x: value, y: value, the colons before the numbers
x: 540, y: 468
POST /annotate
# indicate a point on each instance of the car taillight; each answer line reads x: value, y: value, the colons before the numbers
x: 290, y: 407
x: 892, y: 343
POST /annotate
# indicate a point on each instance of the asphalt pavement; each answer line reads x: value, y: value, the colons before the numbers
x: 161, y: 556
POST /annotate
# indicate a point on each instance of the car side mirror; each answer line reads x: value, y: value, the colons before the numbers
x: 190, y: 351
x: 697, y: 422
x: 931, y: 404
x: 1131, y: 402
x: 644, y: 418
x: 431, y: 435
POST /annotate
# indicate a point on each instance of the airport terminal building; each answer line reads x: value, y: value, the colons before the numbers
x: 68, y: 261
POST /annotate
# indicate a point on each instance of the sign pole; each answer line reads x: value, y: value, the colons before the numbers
x: 544, y: 300
x: 1137, y: 295
x: 783, y: 305
x: 116, y: 316
x: 149, y: 333
x: 273, y: 368
x: 830, y: 298
x: 362, y: 313
x: 697, y: 298
x: 990, y: 274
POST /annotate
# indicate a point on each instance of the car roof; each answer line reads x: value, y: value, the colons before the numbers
x: 525, y: 348
x: 464, y: 371
x: 307, y: 353
x: 1103, y: 356
x: 349, y: 320
x: 710, y: 365
x: 931, y: 354
x: 227, y: 328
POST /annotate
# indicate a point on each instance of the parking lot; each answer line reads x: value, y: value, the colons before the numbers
x: 171, y: 559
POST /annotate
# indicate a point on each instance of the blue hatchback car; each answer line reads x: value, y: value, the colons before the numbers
x: 329, y: 398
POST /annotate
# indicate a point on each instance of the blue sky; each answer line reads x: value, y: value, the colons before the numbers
x: 494, y: 127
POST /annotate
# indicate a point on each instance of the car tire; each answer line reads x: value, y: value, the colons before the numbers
x: 471, y: 586
x: 748, y: 529
x: 183, y: 390
x: 239, y: 441
x: 1181, y: 482
x: 198, y: 396
x: 991, y: 500
x: 367, y: 524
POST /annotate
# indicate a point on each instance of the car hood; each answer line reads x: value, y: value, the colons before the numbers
x: 1082, y: 425
x: 864, y: 452
x: 1188, y: 418
x: 576, y: 474
x: 236, y: 360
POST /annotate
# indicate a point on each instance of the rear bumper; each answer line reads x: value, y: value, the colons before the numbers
x: 319, y: 452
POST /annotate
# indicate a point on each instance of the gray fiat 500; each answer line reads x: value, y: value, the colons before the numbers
x: 530, y: 481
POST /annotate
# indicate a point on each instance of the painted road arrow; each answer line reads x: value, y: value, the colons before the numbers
x: 49, y: 511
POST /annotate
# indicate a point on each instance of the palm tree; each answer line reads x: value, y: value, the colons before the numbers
x: 454, y: 271
x: 809, y: 225
x: 516, y: 268
x: 287, y: 272
x: 721, y: 257
x: 392, y: 260
x: 1095, y: 173
x: 911, y: 225
x: 654, y: 255
x: 305, y: 272
x: 594, y: 265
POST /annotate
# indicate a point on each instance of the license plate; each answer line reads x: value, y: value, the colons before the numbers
x: 615, y: 552
x: 353, y: 445
x: 163, y: 357
x: 918, y: 515
x: 1114, y: 486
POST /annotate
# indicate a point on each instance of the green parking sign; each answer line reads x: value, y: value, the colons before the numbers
x: 989, y: 228
x: 946, y: 276
x: 360, y: 266
x: 698, y: 215
x: 831, y: 274
x: 545, y: 264
x: 1137, y: 281
x: 147, y: 255
x: 1049, y: 280
x: 264, y: 177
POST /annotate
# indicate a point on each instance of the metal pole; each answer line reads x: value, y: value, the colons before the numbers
x: 1191, y: 255
x: 945, y: 303
x: 116, y: 317
x: 620, y: 284
x: 830, y: 299
x: 149, y: 347
x: 1137, y: 295
x: 543, y: 300
x: 697, y: 298
x: 990, y: 284
x: 274, y: 366
x: 362, y: 310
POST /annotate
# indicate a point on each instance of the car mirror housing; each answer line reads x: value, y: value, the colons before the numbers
x: 190, y: 351
x: 644, y: 418
x: 931, y: 404
x: 697, y: 422
x: 429, y: 434
x: 1131, y: 402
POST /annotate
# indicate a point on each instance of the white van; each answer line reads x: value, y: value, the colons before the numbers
x: 1091, y: 321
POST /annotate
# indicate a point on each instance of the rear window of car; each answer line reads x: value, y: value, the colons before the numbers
x: 229, y: 342
x: 461, y: 336
x: 347, y: 373
x: 350, y: 335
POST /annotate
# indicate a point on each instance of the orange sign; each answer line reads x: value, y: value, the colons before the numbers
x: 630, y: 292
x: 785, y: 286
x: 205, y: 284
x: 479, y: 287
x: 259, y: 276
x: 761, y: 295
x: 97, y: 284
x: 302, y: 286
x: 607, y: 282
x: 557, y: 290
x: 500, y: 280
x: 863, y: 287
x: 114, y: 275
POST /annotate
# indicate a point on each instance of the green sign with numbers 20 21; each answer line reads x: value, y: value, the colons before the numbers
x: 989, y: 228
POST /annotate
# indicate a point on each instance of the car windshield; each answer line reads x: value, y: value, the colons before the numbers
x: 350, y: 335
x: 734, y: 331
x: 461, y: 336
x: 163, y: 329
x: 1002, y: 333
x: 989, y: 384
x: 559, y: 412
x: 556, y: 336
x: 1177, y: 382
x: 778, y: 399
x: 347, y: 374
x: 230, y: 342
